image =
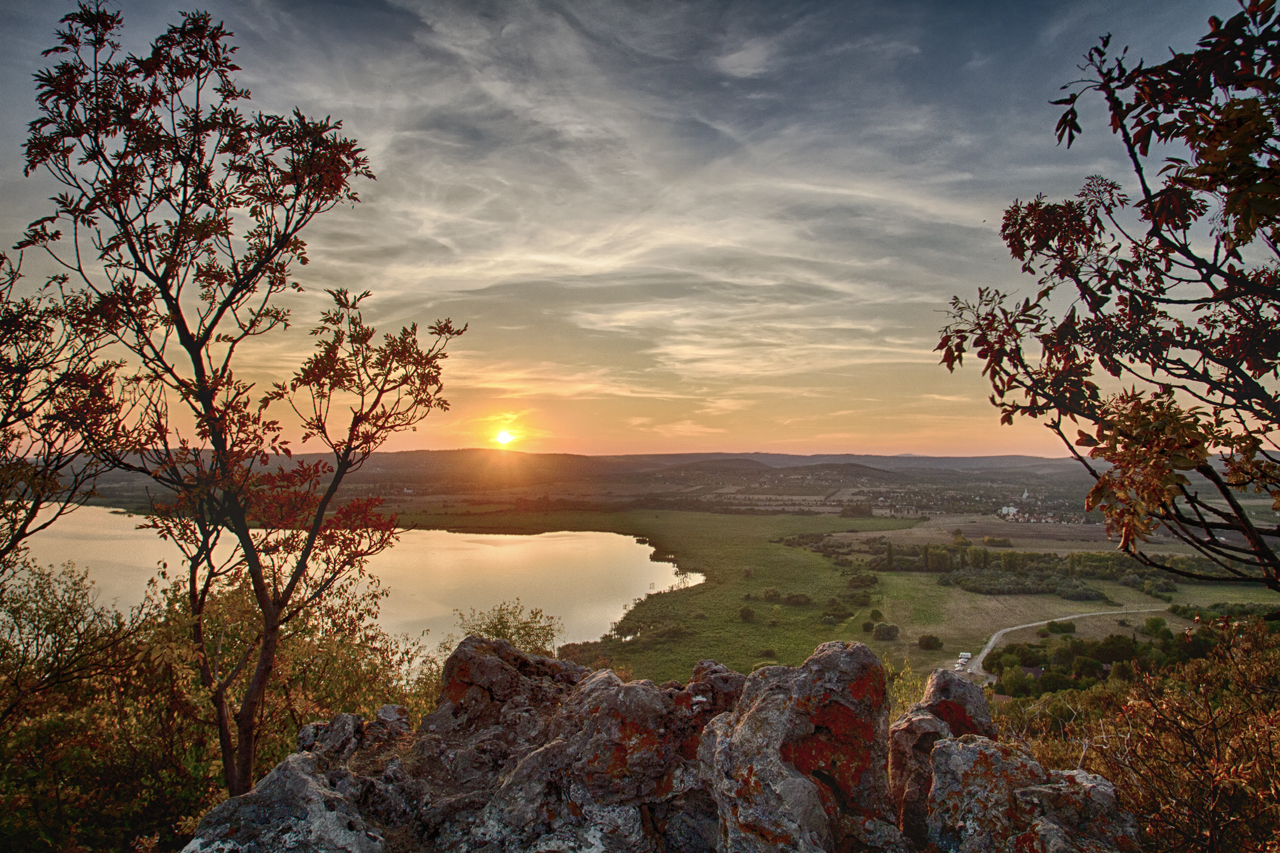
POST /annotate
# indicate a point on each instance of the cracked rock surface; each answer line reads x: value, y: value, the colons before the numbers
x: 527, y: 753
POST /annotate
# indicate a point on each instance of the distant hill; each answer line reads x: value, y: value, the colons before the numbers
x: 734, y: 465
x: 481, y: 464
x: 482, y: 469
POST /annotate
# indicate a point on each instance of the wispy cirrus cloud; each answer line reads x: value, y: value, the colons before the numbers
x: 661, y: 218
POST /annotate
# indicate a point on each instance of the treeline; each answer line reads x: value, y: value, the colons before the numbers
x: 993, y: 568
x: 1007, y: 572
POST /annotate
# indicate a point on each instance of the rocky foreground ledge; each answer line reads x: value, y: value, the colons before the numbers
x: 526, y: 753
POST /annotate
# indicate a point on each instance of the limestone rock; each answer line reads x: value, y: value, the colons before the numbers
x: 294, y: 809
x: 989, y: 796
x: 525, y: 753
x: 1074, y: 811
x: 483, y: 676
x: 333, y: 742
x: 959, y: 703
x: 621, y: 770
x: 951, y: 707
x: 800, y: 764
x: 911, y: 740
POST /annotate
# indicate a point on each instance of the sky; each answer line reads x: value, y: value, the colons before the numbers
x: 671, y: 226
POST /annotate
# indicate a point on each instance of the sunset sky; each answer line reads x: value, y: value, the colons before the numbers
x: 671, y: 226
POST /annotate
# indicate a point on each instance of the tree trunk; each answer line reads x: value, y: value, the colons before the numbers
x: 239, y: 750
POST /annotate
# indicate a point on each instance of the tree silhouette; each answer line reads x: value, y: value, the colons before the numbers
x: 184, y: 219
x: 1156, y: 322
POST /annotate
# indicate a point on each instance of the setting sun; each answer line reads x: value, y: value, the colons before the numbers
x: 504, y: 437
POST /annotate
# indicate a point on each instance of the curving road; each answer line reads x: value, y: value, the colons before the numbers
x: 988, y: 678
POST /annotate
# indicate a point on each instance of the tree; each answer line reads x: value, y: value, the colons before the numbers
x: 52, y: 631
x: 1156, y: 322
x: 185, y: 218
x: 533, y: 631
x: 48, y: 368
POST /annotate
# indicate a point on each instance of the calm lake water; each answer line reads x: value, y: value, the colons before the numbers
x: 587, y: 579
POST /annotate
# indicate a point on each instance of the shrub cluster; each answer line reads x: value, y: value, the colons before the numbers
x: 1021, y: 582
x: 1221, y: 610
x: 884, y: 631
x: 1191, y: 744
x: 1065, y: 662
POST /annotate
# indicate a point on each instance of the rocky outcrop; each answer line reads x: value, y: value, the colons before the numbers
x: 990, y: 796
x: 525, y: 753
x: 951, y: 707
x: 293, y: 808
x: 801, y: 762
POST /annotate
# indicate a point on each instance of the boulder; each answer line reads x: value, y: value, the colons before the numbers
x: 991, y: 796
x: 621, y: 769
x: 333, y: 742
x: 482, y: 677
x: 800, y: 763
x: 911, y: 740
x: 951, y: 706
x: 959, y: 703
x: 293, y: 808
x: 1073, y: 811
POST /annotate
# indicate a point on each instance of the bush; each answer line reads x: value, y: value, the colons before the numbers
x: 868, y: 627
x: 1051, y: 682
x: 533, y: 632
x: 837, y: 609
x: 860, y: 599
x: 929, y: 642
x: 875, y: 616
x: 1061, y: 627
x: 746, y: 614
x: 996, y: 542
x: 1086, y: 667
x: 1194, y: 748
x: 767, y: 653
x: 885, y: 631
x: 798, y: 599
x: 1122, y: 671
x: 771, y: 594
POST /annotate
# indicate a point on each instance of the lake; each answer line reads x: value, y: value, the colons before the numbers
x: 587, y: 579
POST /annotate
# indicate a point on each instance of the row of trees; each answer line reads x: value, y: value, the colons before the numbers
x: 174, y: 235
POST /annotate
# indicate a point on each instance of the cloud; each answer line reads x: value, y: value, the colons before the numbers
x: 673, y: 213
x: 750, y: 60
x: 686, y: 429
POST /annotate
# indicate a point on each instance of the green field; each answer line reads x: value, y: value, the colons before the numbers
x: 671, y: 631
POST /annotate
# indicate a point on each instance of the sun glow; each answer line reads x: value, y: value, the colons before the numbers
x: 504, y: 437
